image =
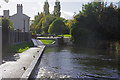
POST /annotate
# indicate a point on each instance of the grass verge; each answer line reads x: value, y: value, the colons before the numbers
x: 66, y: 35
x: 47, y: 42
x: 19, y: 48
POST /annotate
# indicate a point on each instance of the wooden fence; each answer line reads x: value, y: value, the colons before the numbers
x: 16, y: 37
x: 13, y: 37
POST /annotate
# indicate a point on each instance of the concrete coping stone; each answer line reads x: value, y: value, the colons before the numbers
x: 30, y: 69
x: 35, y: 42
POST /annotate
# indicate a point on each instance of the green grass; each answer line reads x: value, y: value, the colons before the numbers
x: 19, y: 48
x: 65, y: 35
x: 47, y: 42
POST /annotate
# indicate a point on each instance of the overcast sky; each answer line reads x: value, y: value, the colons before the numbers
x: 32, y: 7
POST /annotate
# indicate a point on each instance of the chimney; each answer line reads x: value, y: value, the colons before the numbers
x: 19, y: 8
x: 6, y: 14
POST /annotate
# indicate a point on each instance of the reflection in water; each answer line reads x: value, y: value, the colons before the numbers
x: 66, y: 62
x: 118, y: 61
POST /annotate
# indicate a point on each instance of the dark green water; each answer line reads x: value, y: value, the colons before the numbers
x: 68, y: 62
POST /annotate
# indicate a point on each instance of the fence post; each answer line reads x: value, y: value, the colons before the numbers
x: 25, y: 36
x: 30, y: 36
x: 12, y: 36
x: 9, y: 36
x: 20, y: 36
x: 17, y: 36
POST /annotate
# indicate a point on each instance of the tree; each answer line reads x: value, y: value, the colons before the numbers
x: 35, y: 27
x: 109, y: 22
x: 39, y: 29
x: 92, y: 8
x: 7, y: 23
x: 69, y: 23
x: 10, y: 24
x: 32, y: 28
x: 95, y: 25
x: 57, y: 8
x: 46, y: 8
x: 36, y: 21
x: 80, y: 32
x: 58, y: 27
x: 84, y: 29
x: 46, y: 22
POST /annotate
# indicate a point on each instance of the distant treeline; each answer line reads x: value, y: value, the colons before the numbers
x: 49, y: 24
x: 97, y: 25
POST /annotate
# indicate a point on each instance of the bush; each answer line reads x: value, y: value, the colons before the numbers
x: 58, y: 27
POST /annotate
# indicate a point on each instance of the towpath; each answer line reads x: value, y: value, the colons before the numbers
x: 15, y: 66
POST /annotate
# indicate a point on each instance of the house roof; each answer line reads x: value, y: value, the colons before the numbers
x: 22, y: 14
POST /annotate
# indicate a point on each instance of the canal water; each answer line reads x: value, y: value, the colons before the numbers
x: 69, y: 62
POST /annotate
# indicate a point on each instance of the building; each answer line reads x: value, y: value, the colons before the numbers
x: 20, y: 20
